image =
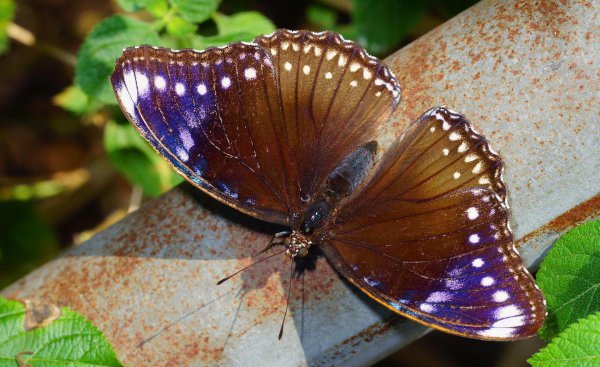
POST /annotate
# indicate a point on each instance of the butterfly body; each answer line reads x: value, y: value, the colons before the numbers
x: 317, y: 217
x: 285, y: 129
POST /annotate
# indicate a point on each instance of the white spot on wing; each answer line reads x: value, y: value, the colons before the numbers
x: 367, y: 74
x: 201, y: 88
x: 287, y: 66
x: 487, y: 281
x: 186, y: 139
x: 225, y: 82
x: 507, y: 311
x: 437, y: 297
x: 182, y: 154
x: 126, y: 101
x: 328, y: 75
x: 306, y: 69
x: 160, y: 83
x: 500, y: 296
x: 142, y: 83
x: 472, y: 213
x: 477, y: 263
x: 353, y: 83
x: 179, y: 89
x: 470, y: 158
x: 250, y: 74
x: 474, y: 238
x: 426, y: 307
x: 131, y: 85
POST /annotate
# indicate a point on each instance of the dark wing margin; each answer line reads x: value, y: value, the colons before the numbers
x: 428, y: 236
x: 212, y: 114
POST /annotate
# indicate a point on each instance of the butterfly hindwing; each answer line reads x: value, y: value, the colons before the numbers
x: 434, y: 245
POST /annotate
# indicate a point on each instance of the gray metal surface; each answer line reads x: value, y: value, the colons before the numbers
x: 527, y: 75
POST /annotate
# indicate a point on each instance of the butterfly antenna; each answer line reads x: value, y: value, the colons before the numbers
x: 249, y: 266
x: 287, y: 304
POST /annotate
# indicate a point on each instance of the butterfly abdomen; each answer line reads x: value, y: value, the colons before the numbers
x: 340, y: 183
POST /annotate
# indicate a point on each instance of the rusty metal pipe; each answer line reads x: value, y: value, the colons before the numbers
x: 527, y: 75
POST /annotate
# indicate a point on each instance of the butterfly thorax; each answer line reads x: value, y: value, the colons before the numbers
x: 340, y: 183
x: 297, y: 244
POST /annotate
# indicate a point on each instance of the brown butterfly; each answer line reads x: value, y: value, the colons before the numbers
x: 284, y: 129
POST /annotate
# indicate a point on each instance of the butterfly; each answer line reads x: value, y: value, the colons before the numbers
x: 284, y: 129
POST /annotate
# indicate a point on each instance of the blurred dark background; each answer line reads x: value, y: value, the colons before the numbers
x: 58, y: 183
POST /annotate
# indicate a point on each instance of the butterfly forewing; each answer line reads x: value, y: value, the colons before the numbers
x: 212, y: 115
x: 334, y: 97
x: 436, y: 246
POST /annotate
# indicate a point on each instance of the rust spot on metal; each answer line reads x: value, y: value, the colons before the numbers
x: 39, y: 314
x: 585, y: 211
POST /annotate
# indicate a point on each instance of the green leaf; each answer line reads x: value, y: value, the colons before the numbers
x: 381, y: 25
x: 200, y: 43
x: 577, y: 346
x: 96, y: 59
x: 158, y: 8
x: 69, y: 340
x: 136, y: 159
x: 195, y: 11
x: 7, y: 11
x: 250, y: 22
x: 181, y: 28
x: 74, y: 100
x: 321, y: 16
x: 569, y: 278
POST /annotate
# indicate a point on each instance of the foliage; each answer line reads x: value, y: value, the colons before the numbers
x: 7, y: 10
x: 68, y: 340
x: 130, y: 153
x: 570, y: 279
x: 578, y: 345
x: 395, y: 17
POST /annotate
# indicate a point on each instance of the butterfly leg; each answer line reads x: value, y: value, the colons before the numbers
x: 277, y: 240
